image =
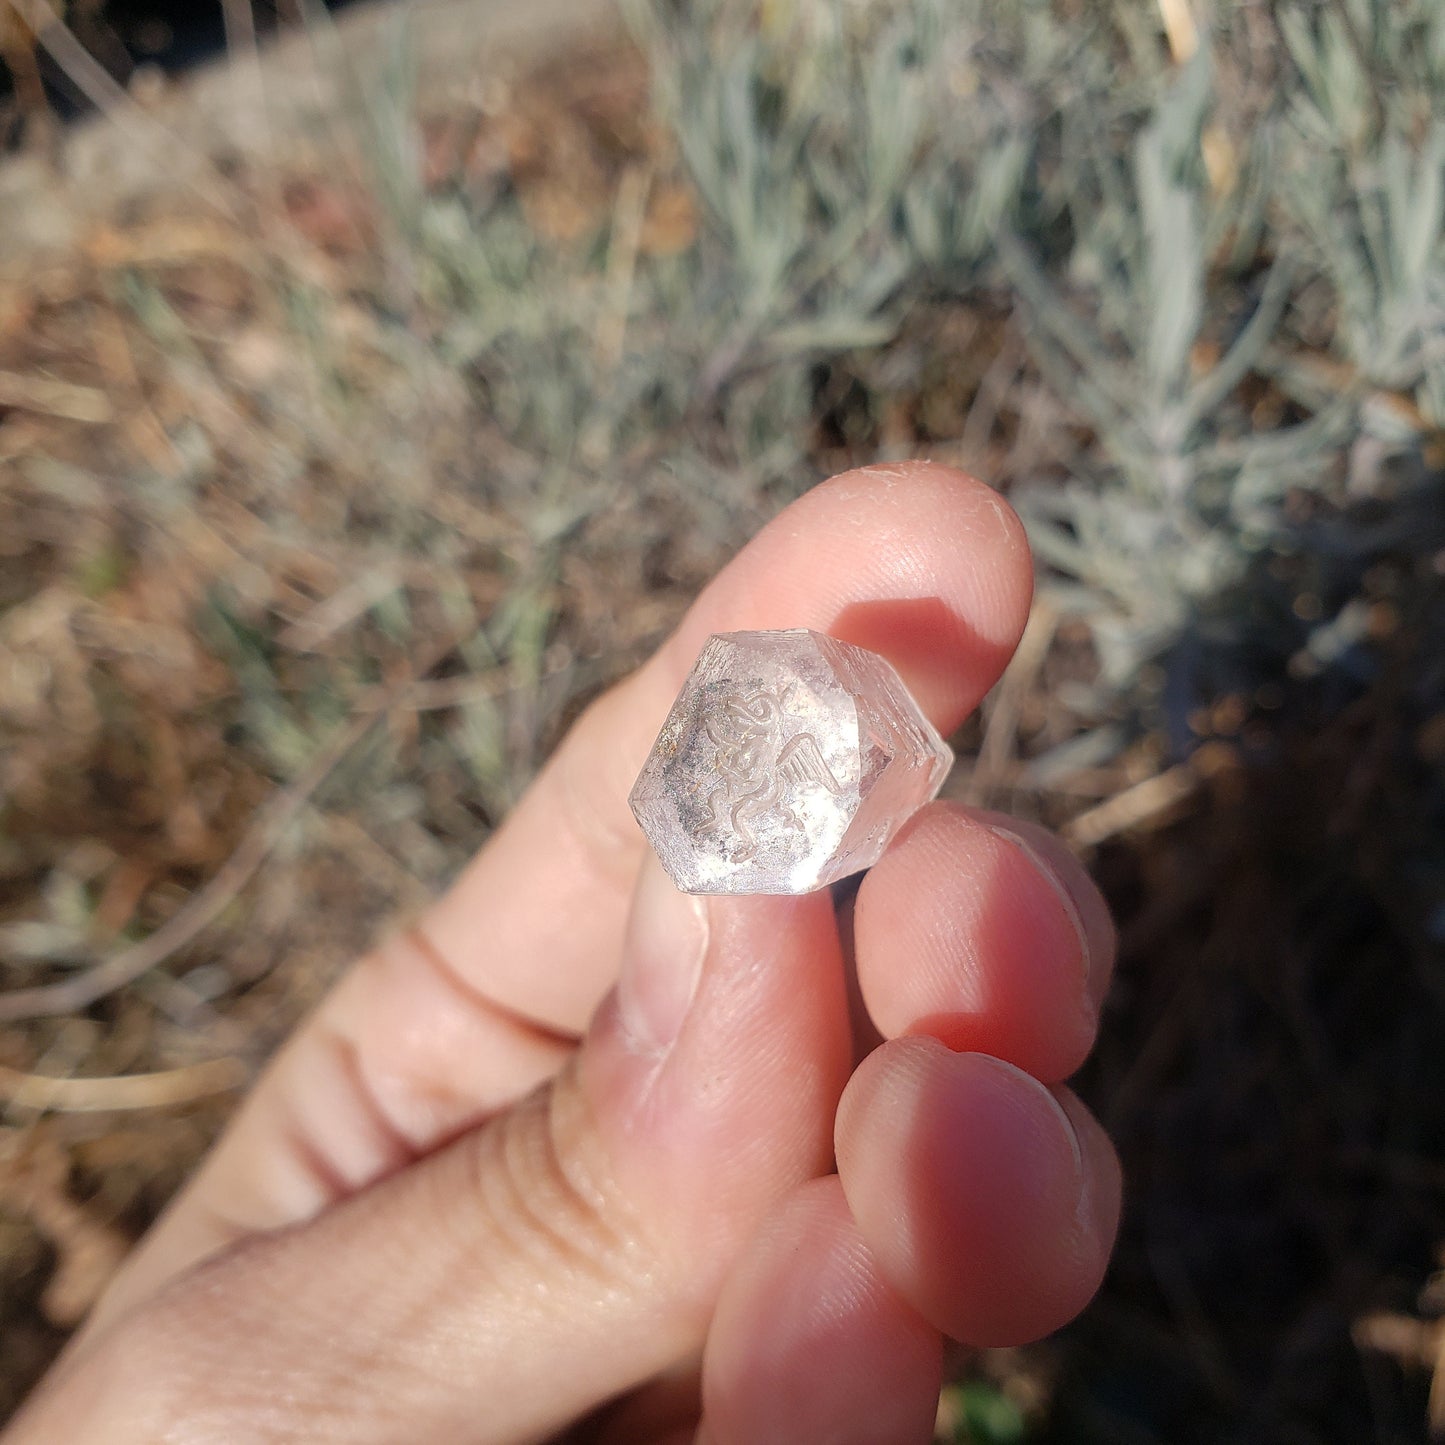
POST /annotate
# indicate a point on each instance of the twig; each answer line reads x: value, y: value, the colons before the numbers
x: 1001, y: 729
x: 35, y: 1181
x: 63, y: 399
x: 1179, y: 27
x: 169, y: 242
x: 342, y: 607
x: 73, y: 994
x: 53, y: 1095
x: 993, y: 390
x: 1148, y: 803
x: 628, y: 212
x: 1411, y: 1342
x: 443, y: 692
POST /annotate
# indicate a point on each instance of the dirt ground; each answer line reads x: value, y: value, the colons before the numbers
x: 288, y: 615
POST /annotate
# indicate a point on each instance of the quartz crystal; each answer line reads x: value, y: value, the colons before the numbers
x: 788, y: 761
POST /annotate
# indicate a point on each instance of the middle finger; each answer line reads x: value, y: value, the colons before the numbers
x: 985, y: 933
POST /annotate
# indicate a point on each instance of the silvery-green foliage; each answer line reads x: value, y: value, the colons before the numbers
x: 802, y: 127
x: 1364, y: 183
x: 1337, y: 191
x: 1162, y: 521
x: 854, y: 158
x: 1175, y: 236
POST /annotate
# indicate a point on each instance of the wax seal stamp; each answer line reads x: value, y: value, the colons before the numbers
x: 788, y: 761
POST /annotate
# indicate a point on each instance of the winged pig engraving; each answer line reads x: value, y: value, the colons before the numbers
x: 759, y: 769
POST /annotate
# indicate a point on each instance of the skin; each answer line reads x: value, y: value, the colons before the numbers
x: 576, y: 1155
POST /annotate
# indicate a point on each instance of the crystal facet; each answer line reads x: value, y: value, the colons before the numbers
x: 788, y: 761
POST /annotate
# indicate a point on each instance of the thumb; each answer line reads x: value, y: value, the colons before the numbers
x: 540, y: 1265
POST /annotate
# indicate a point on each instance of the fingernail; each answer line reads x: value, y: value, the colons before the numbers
x: 1083, y: 1207
x: 1071, y: 909
x: 662, y: 956
x: 1084, y: 1210
x: 1042, y: 1090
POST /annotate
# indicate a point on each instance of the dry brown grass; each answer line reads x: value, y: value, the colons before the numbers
x: 302, y: 570
x: 281, y: 634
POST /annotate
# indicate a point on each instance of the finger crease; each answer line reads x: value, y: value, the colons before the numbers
x: 401, y: 1148
x: 550, y: 1199
x: 315, y: 1163
x: 456, y: 982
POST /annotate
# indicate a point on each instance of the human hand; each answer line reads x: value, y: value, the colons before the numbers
x: 573, y: 1132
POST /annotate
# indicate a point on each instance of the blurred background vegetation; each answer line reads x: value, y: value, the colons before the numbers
x: 340, y: 467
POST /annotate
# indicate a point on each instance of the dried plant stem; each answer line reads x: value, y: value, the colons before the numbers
x: 629, y: 210
x: 1180, y: 28
x: 1412, y: 1342
x: 52, y: 1095
x: 73, y: 994
x: 55, y: 398
x: 1000, y: 732
x: 435, y: 694
x: 1145, y: 804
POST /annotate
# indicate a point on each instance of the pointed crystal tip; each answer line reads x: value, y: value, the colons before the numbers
x: 788, y: 761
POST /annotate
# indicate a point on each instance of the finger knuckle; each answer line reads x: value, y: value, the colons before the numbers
x: 549, y: 1192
